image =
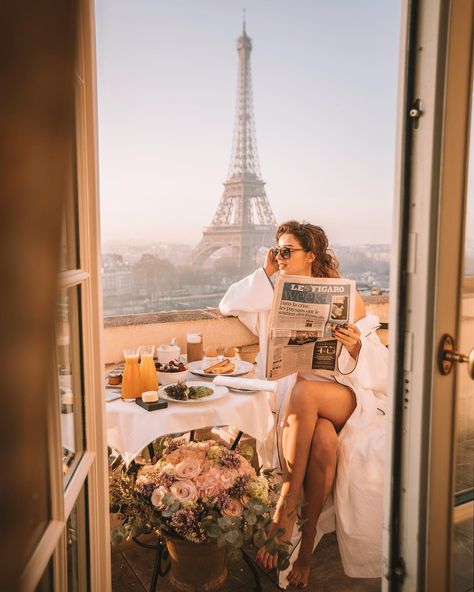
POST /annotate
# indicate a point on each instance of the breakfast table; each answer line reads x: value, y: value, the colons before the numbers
x: 130, y: 428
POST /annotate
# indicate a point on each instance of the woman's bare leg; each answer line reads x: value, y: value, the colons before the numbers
x: 317, y: 486
x: 309, y: 400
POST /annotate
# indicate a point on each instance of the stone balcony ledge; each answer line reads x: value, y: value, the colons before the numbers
x: 123, y: 331
x: 152, y: 318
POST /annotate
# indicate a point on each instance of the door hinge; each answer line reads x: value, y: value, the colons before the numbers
x: 399, y: 571
x: 416, y: 111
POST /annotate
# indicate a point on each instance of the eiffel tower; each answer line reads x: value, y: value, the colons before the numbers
x: 244, y: 219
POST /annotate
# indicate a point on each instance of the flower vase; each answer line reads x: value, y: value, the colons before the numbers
x: 196, y: 567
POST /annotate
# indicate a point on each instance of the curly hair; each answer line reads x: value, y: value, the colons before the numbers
x: 313, y: 238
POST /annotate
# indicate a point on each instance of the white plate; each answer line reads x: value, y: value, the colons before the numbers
x: 241, y: 390
x: 218, y: 392
x: 241, y: 367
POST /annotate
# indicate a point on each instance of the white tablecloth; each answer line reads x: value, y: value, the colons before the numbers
x: 130, y: 427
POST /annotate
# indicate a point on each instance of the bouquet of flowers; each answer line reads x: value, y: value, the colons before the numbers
x: 200, y: 492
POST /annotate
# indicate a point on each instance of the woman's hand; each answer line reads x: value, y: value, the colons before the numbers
x: 270, y: 266
x: 349, y: 335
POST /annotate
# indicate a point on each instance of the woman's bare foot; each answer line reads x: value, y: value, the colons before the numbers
x: 299, y: 574
x: 282, y: 526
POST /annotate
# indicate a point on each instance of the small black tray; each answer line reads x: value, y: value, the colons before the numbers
x: 151, y: 406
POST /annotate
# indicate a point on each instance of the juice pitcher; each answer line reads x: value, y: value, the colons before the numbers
x: 131, y: 383
x: 148, y: 375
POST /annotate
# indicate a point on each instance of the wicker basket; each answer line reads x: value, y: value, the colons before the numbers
x: 248, y: 353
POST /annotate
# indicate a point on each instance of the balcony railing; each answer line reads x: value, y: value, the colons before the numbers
x: 218, y: 331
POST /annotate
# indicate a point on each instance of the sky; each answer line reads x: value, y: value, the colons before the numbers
x: 324, y: 75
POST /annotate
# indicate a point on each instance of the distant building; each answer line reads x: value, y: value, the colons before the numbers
x: 117, y: 283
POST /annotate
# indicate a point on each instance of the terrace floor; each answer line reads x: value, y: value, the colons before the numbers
x: 132, y: 568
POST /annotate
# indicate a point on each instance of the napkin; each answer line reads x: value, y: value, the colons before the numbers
x: 252, y: 384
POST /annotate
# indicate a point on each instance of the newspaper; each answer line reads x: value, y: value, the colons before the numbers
x: 304, y: 312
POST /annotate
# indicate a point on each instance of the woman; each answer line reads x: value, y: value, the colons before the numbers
x: 323, y: 422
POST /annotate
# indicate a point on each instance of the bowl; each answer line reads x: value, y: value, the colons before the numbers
x: 171, y: 377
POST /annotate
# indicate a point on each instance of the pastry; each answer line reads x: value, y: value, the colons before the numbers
x: 114, y: 378
x: 222, y: 367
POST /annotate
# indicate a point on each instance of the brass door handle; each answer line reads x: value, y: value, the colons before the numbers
x: 447, y: 356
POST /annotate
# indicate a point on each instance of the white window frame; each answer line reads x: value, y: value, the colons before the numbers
x: 91, y: 472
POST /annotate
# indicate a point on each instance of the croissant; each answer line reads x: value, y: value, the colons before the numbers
x: 222, y: 367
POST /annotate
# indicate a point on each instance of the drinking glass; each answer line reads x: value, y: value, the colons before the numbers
x: 194, y: 347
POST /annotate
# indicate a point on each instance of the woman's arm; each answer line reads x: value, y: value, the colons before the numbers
x: 349, y: 334
x: 248, y: 298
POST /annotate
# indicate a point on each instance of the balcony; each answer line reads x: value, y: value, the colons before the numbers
x: 132, y: 566
x: 218, y: 331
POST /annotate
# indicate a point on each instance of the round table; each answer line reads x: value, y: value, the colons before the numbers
x: 131, y: 428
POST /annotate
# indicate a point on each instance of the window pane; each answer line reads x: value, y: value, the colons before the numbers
x: 77, y: 544
x: 68, y: 329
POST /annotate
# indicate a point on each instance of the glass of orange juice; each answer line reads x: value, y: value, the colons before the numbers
x: 131, y: 383
x: 148, y: 375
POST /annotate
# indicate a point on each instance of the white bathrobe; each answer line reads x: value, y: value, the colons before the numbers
x: 355, y: 509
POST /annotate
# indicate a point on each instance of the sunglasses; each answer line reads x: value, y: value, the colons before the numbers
x: 284, y: 252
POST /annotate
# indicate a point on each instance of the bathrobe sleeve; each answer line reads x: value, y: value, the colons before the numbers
x: 247, y: 298
x: 370, y: 369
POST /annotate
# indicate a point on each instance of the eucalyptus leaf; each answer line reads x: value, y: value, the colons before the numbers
x: 116, y: 538
x: 271, y: 545
x: 248, y: 533
x: 259, y: 537
x: 168, y: 499
x: 224, y: 522
x: 212, y: 530
x: 260, y: 508
x: 235, y: 554
x: 250, y: 517
x: 231, y: 536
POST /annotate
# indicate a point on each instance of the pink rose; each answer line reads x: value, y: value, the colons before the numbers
x: 246, y: 468
x: 174, y: 457
x: 158, y: 495
x: 204, y: 445
x: 227, y: 477
x: 196, y: 454
x: 233, y: 508
x: 184, y: 491
x: 208, y: 482
x: 244, y: 500
x: 188, y: 468
x: 147, y: 469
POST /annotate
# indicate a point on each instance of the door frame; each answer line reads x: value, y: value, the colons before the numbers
x: 429, y: 211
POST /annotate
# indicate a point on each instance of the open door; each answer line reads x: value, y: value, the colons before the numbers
x: 428, y: 542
